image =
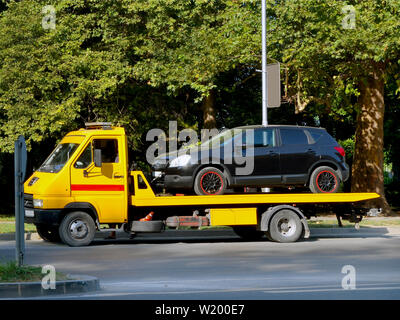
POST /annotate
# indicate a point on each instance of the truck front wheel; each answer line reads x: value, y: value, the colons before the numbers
x: 48, y: 233
x: 77, y: 229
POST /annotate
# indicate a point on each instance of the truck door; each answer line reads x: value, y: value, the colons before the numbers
x: 105, y: 186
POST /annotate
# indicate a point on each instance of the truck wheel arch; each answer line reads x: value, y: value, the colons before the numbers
x: 271, y: 211
x: 81, y: 206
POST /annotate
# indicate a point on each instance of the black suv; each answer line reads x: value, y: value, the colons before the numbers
x: 277, y: 156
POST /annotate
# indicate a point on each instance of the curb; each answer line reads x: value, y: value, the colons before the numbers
x: 28, y: 236
x: 80, y: 284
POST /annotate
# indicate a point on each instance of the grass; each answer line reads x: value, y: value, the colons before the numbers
x: 9, y: 227
x: 10, y: 272
x: 6, y: 218
x: 366, y: 222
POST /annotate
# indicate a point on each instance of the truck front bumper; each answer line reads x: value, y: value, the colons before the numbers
x: 43, y: 216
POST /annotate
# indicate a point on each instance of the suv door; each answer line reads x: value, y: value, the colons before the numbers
x: 296, y: 155
x: 265, y: 153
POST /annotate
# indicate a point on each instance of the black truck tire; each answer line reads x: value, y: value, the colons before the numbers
x: 210, y: 181
x: 285, y: 226
x: 77, y: 229
x: 48, y: 233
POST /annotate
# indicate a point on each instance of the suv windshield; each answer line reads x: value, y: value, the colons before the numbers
x: 59, y: 157
x: 222, y: 138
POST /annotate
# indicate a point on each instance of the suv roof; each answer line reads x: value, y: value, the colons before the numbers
x: 276, y: 126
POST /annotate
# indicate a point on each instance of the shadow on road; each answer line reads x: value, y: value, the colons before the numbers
x: 215, y: 236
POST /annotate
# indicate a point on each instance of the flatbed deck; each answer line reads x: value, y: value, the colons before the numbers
x: 145, y: 197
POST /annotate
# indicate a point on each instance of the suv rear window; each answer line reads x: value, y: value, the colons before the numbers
x: 293, y: 136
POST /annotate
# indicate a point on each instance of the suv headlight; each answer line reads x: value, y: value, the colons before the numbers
x: 181, y: 161
x: 37, y: 203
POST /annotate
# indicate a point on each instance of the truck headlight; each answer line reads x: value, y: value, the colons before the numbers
x: 181, y: 161
x: 38, y: 203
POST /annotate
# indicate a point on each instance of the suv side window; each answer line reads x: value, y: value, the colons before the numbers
x: 293, y: 137
x: 262, y: 138
x: 313, y: 136
x: 85, y: 159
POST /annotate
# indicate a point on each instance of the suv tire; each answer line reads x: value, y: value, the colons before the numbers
x: 210, y: 181
x: 324, y: 180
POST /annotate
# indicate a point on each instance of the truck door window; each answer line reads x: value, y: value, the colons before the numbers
x: 109, y: 150
x: 85, y: 159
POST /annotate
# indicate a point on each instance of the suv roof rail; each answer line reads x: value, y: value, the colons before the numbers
x: 98, y: 125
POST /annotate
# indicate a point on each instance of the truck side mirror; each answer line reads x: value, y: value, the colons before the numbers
x: 97, y: 158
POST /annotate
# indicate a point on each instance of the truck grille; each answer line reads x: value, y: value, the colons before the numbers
x: 28, y: 200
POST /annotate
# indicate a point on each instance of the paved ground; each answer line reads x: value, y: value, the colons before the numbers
x: 219, y: 265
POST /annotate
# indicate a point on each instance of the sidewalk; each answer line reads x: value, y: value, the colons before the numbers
x: 77, y: 284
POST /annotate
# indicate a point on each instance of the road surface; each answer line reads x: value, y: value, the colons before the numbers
x: 219, y: 265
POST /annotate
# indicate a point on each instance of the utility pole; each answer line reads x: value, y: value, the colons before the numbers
x: 264, y: 63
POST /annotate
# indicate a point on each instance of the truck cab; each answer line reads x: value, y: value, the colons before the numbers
x: 87, y: 171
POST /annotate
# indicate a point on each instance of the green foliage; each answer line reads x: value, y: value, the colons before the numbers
x: 327, y: 61
x: 348, y: 146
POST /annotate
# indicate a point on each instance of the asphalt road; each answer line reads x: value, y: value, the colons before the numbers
x: 219, y: 265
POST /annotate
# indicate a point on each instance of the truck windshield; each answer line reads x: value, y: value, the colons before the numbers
x: 59, y: 157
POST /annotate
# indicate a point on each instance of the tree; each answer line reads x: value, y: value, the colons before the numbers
x: 339, y: 57
x: 188, y: 44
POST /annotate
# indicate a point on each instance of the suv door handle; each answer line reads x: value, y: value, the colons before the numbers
x: 117, y: 176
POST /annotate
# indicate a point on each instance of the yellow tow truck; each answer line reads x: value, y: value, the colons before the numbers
x: 86, y: 183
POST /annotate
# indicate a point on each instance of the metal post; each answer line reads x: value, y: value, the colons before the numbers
x: 264, y: 63
x: 19, y: 176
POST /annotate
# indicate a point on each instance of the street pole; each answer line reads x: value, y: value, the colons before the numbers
x: 264, y: 63
x: 20, y: 157
x: 264, y: 69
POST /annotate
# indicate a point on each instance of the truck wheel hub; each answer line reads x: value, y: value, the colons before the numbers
x: 78, y: 229
x: 286, y: 227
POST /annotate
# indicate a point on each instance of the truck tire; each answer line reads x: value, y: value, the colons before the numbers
x: 77, y: 229
x: 48, y: 233
x: 285, y: 226
x: 210, y: 181
x: 147, y: 226
x: 324, y: 180
x: 248, y: 232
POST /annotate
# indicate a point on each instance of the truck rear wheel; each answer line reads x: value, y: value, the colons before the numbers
x: 248, y: 232
x: 48, y: 233
x: 77, y: 229
x: 285, y: 226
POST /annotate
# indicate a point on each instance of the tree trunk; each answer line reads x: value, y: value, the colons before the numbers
x: 208, y: 108
x: 367, y: 169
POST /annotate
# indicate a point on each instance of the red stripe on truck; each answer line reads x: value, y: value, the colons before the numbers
x: 97, y: 187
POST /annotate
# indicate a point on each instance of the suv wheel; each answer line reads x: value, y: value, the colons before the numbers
x: 210, y: 181
x: 324, y: 180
